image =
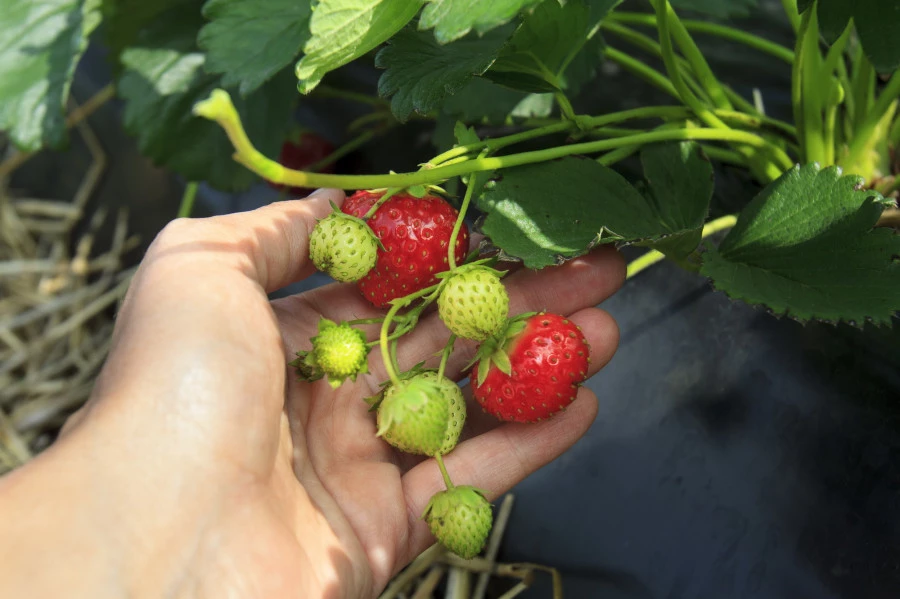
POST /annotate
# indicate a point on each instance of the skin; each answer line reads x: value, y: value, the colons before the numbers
x: 201, y: 466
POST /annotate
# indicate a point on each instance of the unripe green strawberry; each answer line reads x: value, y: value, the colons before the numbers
x: 422, y: 415
x: 474, y: 303
x: 343, y: 246
x: 339, y: 351
x: 460, y: 518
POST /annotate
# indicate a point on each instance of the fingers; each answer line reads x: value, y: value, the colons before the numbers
x: 496, y: 460
x: 274, y: 238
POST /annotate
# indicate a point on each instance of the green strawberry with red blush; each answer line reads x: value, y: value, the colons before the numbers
x: 532, y: 370
x: 415, y: 234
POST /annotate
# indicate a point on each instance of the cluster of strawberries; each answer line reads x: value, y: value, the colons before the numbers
x: 527, y: 368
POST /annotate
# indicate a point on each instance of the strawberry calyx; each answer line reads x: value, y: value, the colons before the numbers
x: 374, y: 401
x: 411, y: 398
x: 494, y: 351
x: 469, y: 266
x: 337, y: 213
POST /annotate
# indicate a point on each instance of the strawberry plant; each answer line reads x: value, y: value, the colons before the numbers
x: 507, y: 88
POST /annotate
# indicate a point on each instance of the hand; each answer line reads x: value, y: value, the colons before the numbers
x: 202, y: 467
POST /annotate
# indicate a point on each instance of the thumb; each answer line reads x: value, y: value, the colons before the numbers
x: 197, y: 352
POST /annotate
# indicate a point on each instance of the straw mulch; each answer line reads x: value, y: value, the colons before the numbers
x: 58, y: 295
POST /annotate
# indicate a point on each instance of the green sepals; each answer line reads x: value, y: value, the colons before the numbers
x: 343, y: 246
x: 339, y: 352
x: 420, y: 191
x: 493, y: 351
x: 374, y: 401
x: 307, y: 367
x: 460, y: 518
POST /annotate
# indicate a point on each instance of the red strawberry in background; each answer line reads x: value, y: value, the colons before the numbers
x: 533, y: 370
x: 415, y: 233
x: 301, y: 150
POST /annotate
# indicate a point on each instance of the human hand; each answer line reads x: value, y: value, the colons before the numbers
x: 203, y: 466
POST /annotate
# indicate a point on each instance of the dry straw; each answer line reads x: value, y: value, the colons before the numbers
x: 58, y: 297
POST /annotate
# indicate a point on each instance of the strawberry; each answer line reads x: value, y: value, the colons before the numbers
x: 473, y: 302
x: 422, y: 415
x: 460, y: 518
x: 339, y: 351
x: 415, y: 234
x: 532, y: 370
x: 301, y: 150
x: 343, y: 246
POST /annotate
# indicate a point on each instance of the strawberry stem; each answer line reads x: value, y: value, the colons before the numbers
x: 451, y: 252
x: 383, y: 341
x: 380, y: 202
x: 396, y: 305
x: 219, y: 108
x: 447, y: 482
x: 445, y: 355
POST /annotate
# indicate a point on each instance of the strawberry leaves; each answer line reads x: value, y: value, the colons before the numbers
x: 421, y: 73
x: 805, y: 248
x: 876, y: 21
x: 344, y: 30
x: 679, y: 189
x: 248, y: 42
x: 452, y: 19
x: 40, y: 44
x: 548, y: 212
x: 163, y: 76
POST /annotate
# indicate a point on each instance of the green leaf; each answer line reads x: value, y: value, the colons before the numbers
x: 344, y: 30
x: 482, y: 101
x: 717, y: 8
x: 834, y: 18
x: 40, y: 44
x: 546, y: 212
x: 164, y: 77
x: 123, y: 20
x: 877, y: 23
x: 522, y: 76
x: 421, y: 73
x: 680, y: 187
x: 248, y: 42
x: 452, y: 19
x: 465, y: 135
x: 805, y: 247
x: 550, y: 211
x: 584, y: 65
x: 543, y: 46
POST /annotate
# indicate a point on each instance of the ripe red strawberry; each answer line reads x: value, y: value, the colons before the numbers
x: 299, y: 151
x: 533, y: 370
x: 415, y: 233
